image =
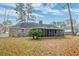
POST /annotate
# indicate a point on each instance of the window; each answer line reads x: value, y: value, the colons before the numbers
x: 22, y: 30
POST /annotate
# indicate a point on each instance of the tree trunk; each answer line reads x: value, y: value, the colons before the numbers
x: 33, y: 37
x: 70, y: 16
x: 36, y: 37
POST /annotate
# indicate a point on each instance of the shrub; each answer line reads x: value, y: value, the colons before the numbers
x: 35, y: 33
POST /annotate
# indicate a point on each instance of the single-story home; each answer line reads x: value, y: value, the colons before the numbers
x: 23, y: 28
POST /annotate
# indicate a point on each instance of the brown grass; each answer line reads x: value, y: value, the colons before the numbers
x: 69, y: 45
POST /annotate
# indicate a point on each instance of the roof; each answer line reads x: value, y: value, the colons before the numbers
x: 33, y: 25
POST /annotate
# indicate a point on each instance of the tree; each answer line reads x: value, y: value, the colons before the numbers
x: 74, y: 25
x: 60, y: 24
x: 24, y: 12
x: 54, y: 23
x: 70, y: 16
x: 35, y: 33
x: 21, y: 12
x: 68, y: 22
x: 30, y: 15
x: 6, y: 24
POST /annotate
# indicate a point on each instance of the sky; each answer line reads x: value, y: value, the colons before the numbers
x: 56, y: 12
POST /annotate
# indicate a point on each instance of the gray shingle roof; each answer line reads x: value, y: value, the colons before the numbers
x: 32, y: 25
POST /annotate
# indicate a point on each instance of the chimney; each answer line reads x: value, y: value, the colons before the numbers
x: 40, y: 22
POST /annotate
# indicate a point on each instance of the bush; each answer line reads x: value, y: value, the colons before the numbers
x: 35, y: 33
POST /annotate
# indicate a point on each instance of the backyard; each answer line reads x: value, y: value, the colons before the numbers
x: 25, y: 46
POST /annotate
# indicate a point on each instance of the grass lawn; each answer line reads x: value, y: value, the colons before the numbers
x: 69, y: 45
